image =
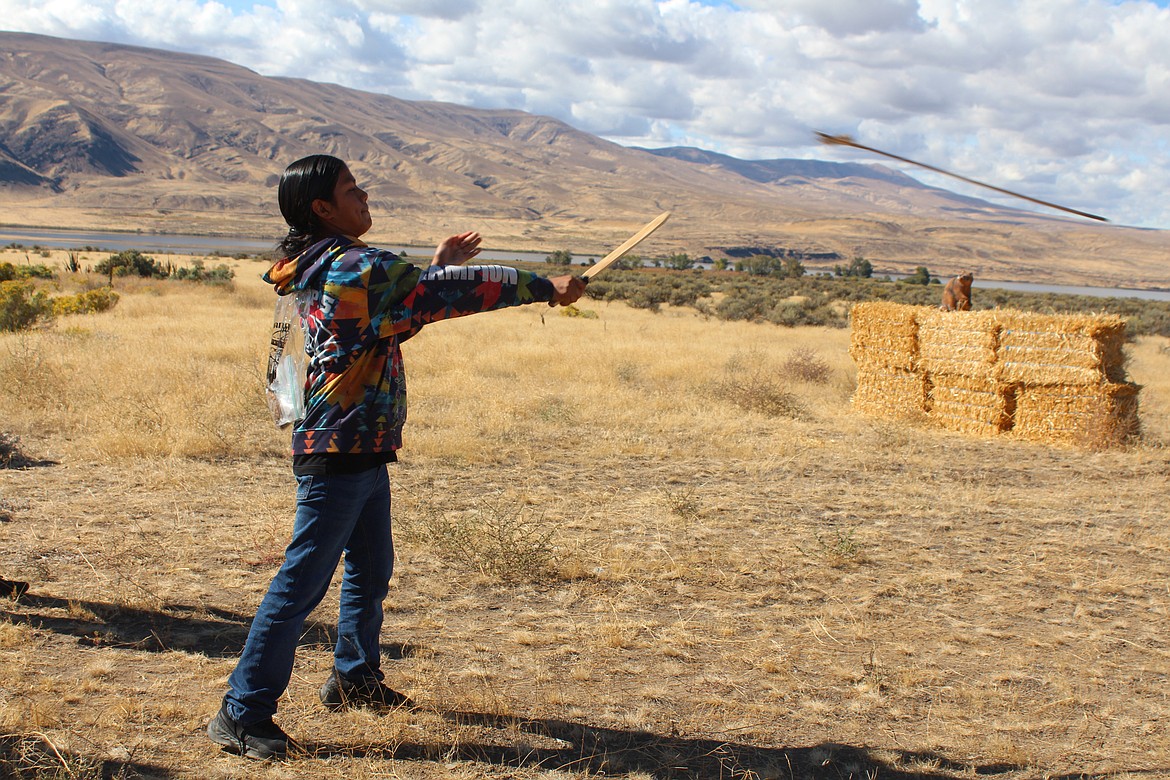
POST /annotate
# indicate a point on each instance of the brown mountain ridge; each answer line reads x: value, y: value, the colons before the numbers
x: 97, y: 135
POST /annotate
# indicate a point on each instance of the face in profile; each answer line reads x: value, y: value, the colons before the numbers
x: 348, y: 212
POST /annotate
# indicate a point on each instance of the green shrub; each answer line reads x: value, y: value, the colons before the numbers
x: 22, y: 307
x: 10, y: 272
x: 749, y: 308
x: 130, y: 263
x: 772, y: 298
x: 198, y: 272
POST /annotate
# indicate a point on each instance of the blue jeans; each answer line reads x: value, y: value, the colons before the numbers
x: 338, y: 513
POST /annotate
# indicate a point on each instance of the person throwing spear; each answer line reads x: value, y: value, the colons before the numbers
x: 362, y: 303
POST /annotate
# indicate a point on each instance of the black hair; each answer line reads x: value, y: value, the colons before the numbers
x: 304, y: 181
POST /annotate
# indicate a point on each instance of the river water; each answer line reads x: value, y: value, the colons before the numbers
x: 179, y: 244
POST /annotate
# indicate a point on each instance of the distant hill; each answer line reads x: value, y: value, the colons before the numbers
x: 777, y: 171
x: 105, y: 136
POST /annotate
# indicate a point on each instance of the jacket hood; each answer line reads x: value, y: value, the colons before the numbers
x: 305, y: 270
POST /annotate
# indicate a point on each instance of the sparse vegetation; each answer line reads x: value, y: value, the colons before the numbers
x: 501, y: 540
x: 683, y: 503
x: 824, y: 301
x: 199, y: 272
x: 804, y: 364
x: 750, y: 383
x: 134, y: 263
x: 837, y: 547
x: 603, y: 568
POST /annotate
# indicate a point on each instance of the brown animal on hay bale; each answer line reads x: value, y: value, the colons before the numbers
x: 957, y: 294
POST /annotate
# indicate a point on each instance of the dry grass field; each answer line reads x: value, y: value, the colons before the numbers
x: 629, y: 544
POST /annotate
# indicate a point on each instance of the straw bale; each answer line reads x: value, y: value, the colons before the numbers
x: 885, y: 391
x: 1046, y: 377
x: 958, y: 342
x: 971, y: 405
x: 1099, y: 415
x: 1040, y: 349
x: 884, y: 333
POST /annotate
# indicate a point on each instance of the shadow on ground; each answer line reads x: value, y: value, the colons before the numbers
x: 29, y: 756
x: 492, y: 740
x: 577, y: 748
x: 209, y: 631
x: 13, y: 457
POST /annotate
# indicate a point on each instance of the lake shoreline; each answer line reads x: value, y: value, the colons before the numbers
x: 114, y: 240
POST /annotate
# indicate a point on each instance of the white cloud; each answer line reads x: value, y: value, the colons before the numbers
x: 1063, y: 99
x: 854, y: 17
x: 452, y: 10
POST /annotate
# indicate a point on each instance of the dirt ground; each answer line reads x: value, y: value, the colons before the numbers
x: 724, y: 593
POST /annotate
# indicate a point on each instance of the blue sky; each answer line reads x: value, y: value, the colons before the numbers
x: 1065, y: 100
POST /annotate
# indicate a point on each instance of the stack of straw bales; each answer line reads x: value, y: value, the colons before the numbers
x: 1043, y: 377
x: 884, y: 344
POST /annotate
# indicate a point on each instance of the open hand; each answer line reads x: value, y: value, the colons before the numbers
x: 457, y: 250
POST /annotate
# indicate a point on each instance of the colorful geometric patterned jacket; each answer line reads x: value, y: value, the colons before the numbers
x: 363, y: 302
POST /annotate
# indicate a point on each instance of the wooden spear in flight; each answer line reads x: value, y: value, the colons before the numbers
x: 844, y: 140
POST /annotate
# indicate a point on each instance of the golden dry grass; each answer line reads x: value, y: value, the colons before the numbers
x: 795, y: 591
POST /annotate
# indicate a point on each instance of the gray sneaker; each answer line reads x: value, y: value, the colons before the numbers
x: 263, y: 740
x: 338, y: 694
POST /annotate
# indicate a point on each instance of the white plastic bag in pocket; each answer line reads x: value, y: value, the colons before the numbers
x: 287, y: 361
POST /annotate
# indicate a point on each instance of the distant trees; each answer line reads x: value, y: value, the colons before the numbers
x: 793, y: 268
x: 628, y: 263
x: 767, y: 265
x: 858, y: 267
x: 560, y: 257
x: 921, y: 275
